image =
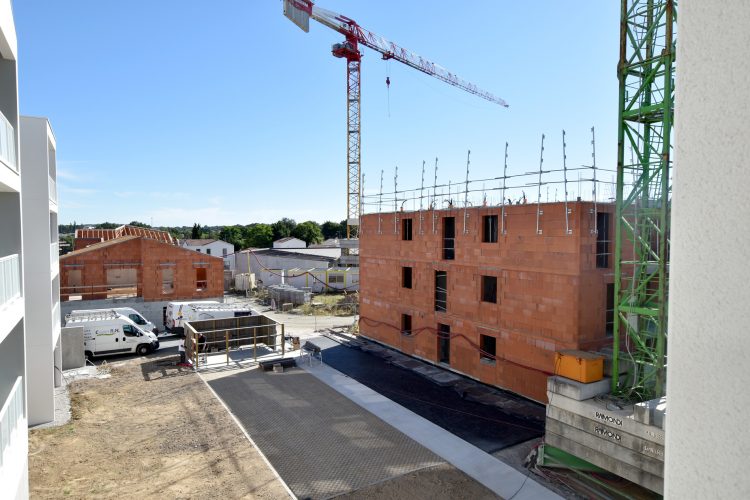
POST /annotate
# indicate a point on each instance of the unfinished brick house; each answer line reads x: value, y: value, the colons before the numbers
x: 86, y: 237
x: 138, y: 266
x: 488, y: 296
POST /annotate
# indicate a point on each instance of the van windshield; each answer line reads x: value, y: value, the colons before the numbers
x: 137, y: 319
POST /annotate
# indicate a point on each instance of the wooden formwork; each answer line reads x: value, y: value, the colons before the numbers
x: 232, y: 334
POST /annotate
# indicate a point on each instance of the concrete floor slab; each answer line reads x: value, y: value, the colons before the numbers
x: 502, y: 479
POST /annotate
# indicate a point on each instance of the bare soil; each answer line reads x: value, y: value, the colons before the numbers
x: 433, y: 483
x: 152, y: 430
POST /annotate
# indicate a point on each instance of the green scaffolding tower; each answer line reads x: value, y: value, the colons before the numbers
x: 644, y: 163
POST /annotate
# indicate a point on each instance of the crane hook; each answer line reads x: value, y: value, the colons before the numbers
x: 388, y: 81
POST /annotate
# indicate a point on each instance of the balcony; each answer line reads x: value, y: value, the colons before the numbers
x: 52, y: 189
x: 12, y: 428
x: 10, y: 279
x: 8, y: 143
x: 54, y: 257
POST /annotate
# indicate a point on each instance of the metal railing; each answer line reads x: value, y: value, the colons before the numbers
x: 10, y: 279
x: 11, y: 417
x: 52, y: 189
x: 7, y: 143
x: 54, y: 255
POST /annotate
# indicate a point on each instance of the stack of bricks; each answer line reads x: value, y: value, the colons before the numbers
x: 550, y: 295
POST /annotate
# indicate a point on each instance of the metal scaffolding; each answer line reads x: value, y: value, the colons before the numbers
x: 646, y: 109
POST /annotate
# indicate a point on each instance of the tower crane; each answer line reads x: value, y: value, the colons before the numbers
x: 300, y: 12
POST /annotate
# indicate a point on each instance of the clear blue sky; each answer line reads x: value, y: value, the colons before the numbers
x: 224, y: 112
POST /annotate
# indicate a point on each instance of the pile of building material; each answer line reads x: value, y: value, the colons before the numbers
x: 244, y: 282
x: 582, y: 420
x: 286, y: 294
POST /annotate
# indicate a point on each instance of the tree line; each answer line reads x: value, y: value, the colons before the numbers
x: 255, y: 235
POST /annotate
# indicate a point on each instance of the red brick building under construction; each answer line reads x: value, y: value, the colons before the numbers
x: 139, y: 266
x: 490, y: 292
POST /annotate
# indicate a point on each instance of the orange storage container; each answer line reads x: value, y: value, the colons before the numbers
x: 582, y: 366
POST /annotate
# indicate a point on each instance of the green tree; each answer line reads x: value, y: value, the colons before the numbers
x: 139, y: 224
x: 233, y: 235
x: 196, y: 233
x: 354, y: 230
x: 308, y: 231
x: 283, y: 228
x: 258, y: 236
x: 332, y: 230
x: 107, y: 225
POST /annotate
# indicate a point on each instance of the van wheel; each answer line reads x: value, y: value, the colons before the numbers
x: 143, y: 349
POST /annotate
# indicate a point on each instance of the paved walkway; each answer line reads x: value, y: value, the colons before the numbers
x: 502, y: 479
x: 321, y: 443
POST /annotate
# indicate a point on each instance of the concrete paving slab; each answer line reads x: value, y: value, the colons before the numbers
x: 321, y: 443
x: 502, y: 479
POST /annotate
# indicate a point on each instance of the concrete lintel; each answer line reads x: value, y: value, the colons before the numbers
x: 645, y: 479
x: 577, y: 390
x: 600, y: 430
x: 618, y: 419
x: 606, y: 445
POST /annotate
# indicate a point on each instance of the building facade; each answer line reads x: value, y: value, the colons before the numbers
x: 489, y: 292
x: 13, y: 412
x: 41, y: 267
x: 136, y: 266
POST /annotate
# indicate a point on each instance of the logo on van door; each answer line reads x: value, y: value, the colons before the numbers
x: 106, y: 331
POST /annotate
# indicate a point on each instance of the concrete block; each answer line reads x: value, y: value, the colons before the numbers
x: 71, y: 345
x: 652, y: 412
x: 600, y: 411
x: 577, y: 390
x: 617, y: 436
x: 608, y: 445
x: 647, y: 480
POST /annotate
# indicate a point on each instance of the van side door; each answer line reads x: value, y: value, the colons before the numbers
x: 130, y: 337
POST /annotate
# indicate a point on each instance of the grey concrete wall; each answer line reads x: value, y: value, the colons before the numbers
x: 707, y: 378
x: 152, y: 311
x: 72, y: 347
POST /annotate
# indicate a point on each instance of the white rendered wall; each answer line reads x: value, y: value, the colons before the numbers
x: 42, y: 327
x: 708, y: 386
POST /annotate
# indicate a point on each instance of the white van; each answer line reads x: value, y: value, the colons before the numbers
x: 179, y: 312
x: 128, y: 312
x: 108, y: 332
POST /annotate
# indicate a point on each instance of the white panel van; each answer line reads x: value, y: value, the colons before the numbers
x: 179, y: 312
x: 128, y: 312
x: 108, y: 332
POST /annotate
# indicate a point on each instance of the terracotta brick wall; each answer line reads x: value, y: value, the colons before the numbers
x: 148, y: 257
x: 550, y: 294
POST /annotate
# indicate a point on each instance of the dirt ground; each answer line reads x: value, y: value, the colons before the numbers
x: 434, y: 483
x: 149, y: 431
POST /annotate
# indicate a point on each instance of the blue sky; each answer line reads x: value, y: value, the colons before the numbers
x: 224, y: 112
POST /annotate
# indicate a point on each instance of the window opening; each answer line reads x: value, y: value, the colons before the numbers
x: 489, y: 229
x: 441, y: 290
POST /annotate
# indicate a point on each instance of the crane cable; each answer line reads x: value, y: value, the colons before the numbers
x: 388, y: 84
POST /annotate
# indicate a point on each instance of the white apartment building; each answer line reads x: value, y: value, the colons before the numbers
x: 214, y: 247
x: 41, y: 268
x: 13, y: 415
